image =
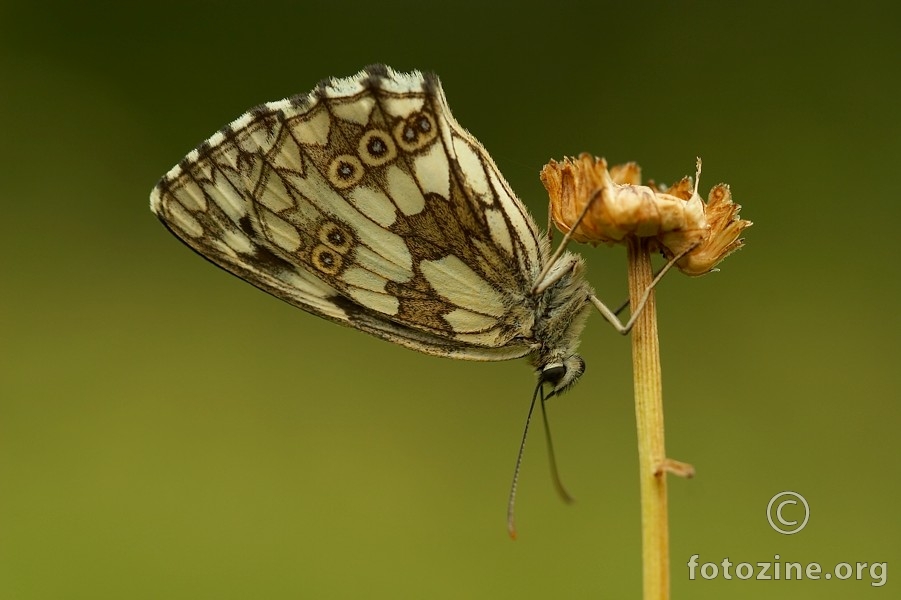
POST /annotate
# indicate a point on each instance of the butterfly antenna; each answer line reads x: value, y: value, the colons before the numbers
x: 555, y: 474
x: 542, y: 285
x: 511, y: 503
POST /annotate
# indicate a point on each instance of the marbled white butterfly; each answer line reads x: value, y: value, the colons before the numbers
x: 366, y: 203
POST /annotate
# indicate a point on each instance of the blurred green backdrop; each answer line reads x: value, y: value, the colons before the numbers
x: 167, y: 431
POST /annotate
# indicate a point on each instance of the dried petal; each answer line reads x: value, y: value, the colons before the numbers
x: 722, y: 238
x: 628, y: 173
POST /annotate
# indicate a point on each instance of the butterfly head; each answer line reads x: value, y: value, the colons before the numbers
x: 561, y: 375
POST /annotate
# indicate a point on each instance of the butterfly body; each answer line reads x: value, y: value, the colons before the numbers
x: 366, y: 203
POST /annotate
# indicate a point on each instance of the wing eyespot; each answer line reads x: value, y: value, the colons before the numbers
x: 345, y: 171
x: 336, y: 237
x: 376, y: 148
x: 416, y: 131
x: 326, y: 260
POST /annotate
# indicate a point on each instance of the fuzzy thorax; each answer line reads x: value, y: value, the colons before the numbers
x: 560, y: 316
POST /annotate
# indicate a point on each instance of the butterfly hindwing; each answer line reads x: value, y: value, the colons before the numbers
x: 204, y: 202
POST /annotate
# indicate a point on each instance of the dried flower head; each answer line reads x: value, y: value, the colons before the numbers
x: 616, y: 206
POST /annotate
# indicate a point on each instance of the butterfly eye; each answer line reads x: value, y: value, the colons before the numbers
x: 562, y: 376
x: 552, y: 374
x: 344, y: 171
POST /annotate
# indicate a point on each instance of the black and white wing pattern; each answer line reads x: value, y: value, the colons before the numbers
x: 366, y: 203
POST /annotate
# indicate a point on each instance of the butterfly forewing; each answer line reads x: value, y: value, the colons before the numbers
x: 366, y: 203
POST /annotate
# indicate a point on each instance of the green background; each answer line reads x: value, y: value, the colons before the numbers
x: 167, y: 431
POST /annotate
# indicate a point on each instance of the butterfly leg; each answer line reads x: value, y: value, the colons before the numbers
x: 611, y: 315
x: 625, y: 303
x: 545, y: 281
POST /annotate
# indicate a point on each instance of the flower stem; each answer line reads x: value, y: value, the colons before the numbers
x: 649, y: 417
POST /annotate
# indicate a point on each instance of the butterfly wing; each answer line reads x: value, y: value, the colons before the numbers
x: 367, y: 204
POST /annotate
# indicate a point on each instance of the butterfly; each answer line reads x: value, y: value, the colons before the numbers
x: 366, y: 203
